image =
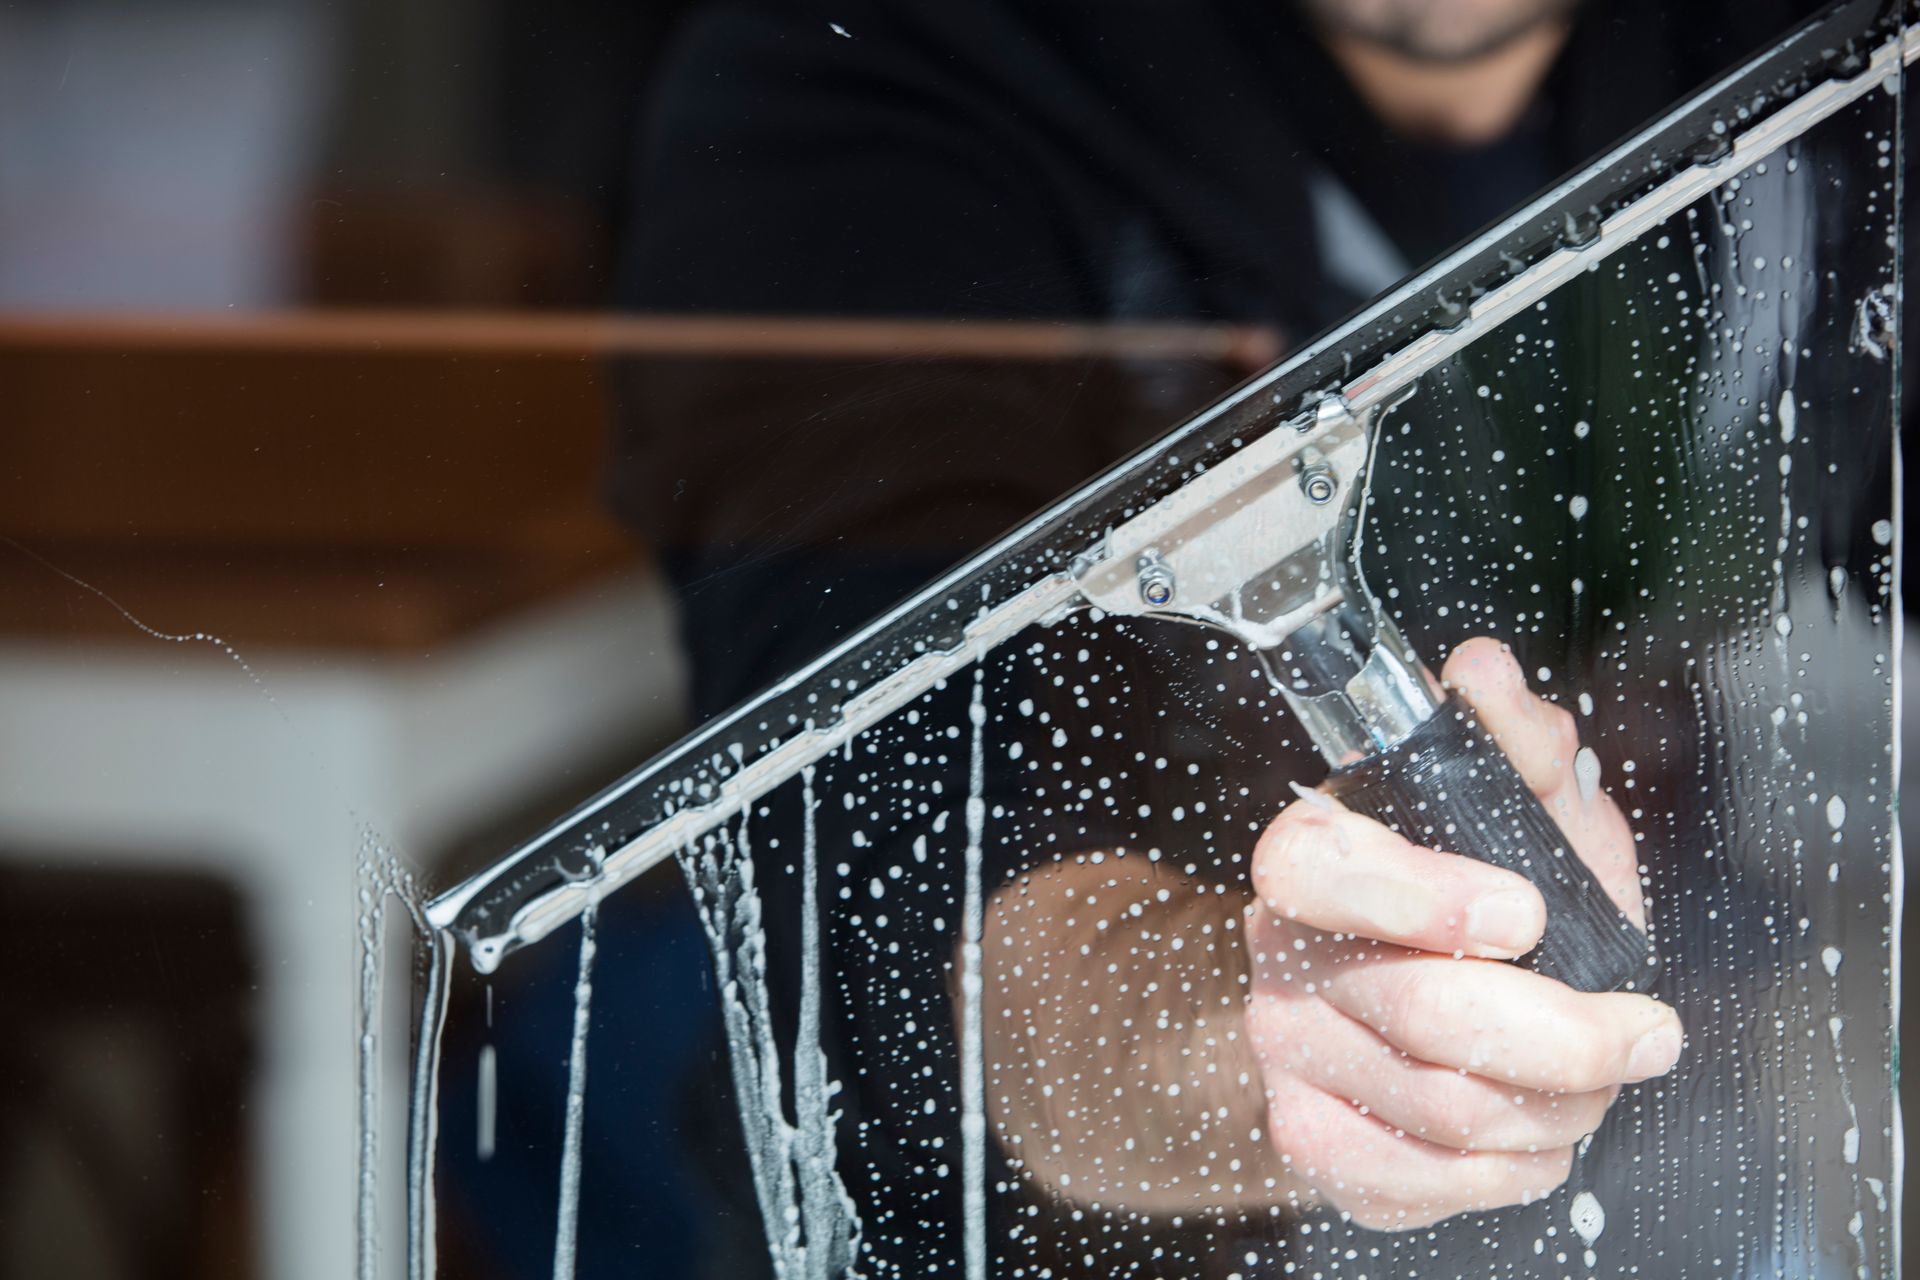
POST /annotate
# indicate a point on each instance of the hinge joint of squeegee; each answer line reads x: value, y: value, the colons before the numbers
x: 1321, y: 409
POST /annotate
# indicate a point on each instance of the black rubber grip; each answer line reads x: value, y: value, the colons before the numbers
x: 1448, y: 786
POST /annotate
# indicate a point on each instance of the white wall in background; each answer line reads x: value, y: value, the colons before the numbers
x: 155, y: 154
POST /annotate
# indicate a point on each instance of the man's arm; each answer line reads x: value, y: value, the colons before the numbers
x: 1119, y: 1071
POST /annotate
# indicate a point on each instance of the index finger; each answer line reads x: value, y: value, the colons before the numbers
x: 1543, y: 743
x: 1503, y: 1022
x: 1334, y: 870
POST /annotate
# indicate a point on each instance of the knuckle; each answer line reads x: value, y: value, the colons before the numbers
x: 1543, y: 1175
x: 1563, y: 735
x: 1407, y: 1210
x: 1269, y: 1033
x: 1279, y: 857
x: 1450, y: 1109
x: 1587, y: 1060
x: 1508, y: 1179
x: 1310, y: 1160
x: 1376, y: 1203
x: 1422, y: 1006
x: 1261, y: 939
x: 1560, y: 1166
x: 1583, y: 1113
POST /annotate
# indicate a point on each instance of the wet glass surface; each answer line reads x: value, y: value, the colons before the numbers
x: 1001, y: 1001
x: 417, y: 415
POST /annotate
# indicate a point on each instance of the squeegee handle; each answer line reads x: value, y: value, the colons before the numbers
x: 1448, y: 786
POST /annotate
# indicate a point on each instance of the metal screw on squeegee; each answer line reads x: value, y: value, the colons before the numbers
x: 1318, y: 482
x: 1156, y: 580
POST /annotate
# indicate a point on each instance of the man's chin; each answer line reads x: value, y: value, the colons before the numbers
x: 1437, y: 32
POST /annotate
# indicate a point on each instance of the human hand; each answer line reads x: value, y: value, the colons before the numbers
x: 1410, y: 1075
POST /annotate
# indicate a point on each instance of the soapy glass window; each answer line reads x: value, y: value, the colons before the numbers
x: 994, y: 990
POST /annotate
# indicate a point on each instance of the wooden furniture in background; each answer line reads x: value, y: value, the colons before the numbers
x: 374, y: 479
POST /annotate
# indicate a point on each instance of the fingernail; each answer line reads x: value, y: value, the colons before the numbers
x: 1654, y: 1053
x: 1507, y: 920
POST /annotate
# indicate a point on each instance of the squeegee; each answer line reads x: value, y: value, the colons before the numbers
x: 1247, y: 519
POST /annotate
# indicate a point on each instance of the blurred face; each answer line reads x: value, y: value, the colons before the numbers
x: 1436, y: 30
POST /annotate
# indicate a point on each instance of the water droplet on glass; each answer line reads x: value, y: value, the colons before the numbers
x: 1588, y: 1217
x: 1586, y: 771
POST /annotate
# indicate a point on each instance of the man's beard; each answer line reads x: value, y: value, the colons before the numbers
x: 1436, y: 31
